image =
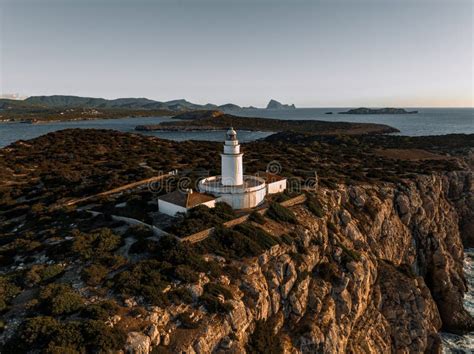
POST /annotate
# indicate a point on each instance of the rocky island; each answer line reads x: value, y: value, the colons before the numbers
x: 363, y: 253
x: 273, y: 104
x: 364, y: 110
x: 217, y: 120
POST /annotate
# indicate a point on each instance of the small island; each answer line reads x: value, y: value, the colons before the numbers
x: 363, y: 110
x: 217, y: 120
x: 273, y: 104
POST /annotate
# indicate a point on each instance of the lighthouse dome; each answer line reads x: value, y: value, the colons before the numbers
x: 231, y: 134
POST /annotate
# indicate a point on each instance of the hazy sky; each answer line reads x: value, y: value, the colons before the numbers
x: 311, y: 53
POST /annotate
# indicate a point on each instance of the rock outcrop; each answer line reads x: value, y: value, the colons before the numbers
x: 277, y: 105
x: 380, y: 272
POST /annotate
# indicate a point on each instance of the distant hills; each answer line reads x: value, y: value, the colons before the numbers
x: 63, y: 101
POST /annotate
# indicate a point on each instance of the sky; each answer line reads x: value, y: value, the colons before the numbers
x: 332, y: 53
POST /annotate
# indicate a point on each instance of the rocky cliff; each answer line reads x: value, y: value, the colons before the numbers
x: 381, y: 271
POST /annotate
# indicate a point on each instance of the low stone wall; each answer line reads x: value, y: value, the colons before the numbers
x: 202, y: 235
x: 294, y: 201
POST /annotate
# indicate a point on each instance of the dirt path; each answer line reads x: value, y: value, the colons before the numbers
x: 116, y: 190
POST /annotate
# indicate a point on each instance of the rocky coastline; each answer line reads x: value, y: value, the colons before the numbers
x: 369, y: 263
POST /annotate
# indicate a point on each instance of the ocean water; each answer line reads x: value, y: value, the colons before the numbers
x: 11, y: 132
x: 453, y: 343
x: 429, y: 121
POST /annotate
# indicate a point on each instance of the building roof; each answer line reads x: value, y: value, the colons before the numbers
x: 186, y: 199
x: 270, y: 177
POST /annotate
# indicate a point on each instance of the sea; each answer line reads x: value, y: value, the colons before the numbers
x: 453, y: 343
x: 428, y: 121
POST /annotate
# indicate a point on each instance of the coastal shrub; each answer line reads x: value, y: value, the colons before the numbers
x: 139, y: 232
x: 260, y: 236
x: 215, y: 289
x: 289, y: 239
x: 48, y: 335
x: 144, y: 246
x: 201, y: 218
x: 279, y: 213
x: 187, y: 321
x: 214, y: 305
x: 100, y: 311
x: 180, y: 295
x: 40, y: 273
x: 230, y: 243
x: 174, y: 253
x: 111, y: 261
x: 94, y: 274
x: 186, y: 274
x: 314, y: 206
x: 95, y: 244
x: 143, y: 279
x: 257, y: 217
x: 59, y: 299
x: 8, y: 291
x: 224, y: 211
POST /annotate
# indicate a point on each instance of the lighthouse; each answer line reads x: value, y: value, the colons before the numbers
x: 232, y: 186
x: 231, y: 166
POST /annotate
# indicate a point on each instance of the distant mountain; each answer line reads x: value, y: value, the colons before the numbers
x: 57, y: 101
x: 229, y: 107
x: 65, y: 101
x: 273, y: 104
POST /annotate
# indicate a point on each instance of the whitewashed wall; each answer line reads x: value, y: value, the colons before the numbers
x: 276, y: 187
x: 169, y: 208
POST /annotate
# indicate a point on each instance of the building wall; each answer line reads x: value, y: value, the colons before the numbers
x: 169, y: 208
x: 232, y: 170
x: 244, y: 200
x: 276, y: 187
x: 210, y: 204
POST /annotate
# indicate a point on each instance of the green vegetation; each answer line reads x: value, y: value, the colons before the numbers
x: 40, y: 273
x: 211, y: 298
x: 245, y: 240
x: 201, y: 218
x: 49, y: 335
x: 149, y: 278
x: 279, y: 213
x: 96, y: 244
x: 94, y: 274
x: 59, y: 299
x: 8, y: 291
x: 257, y: 217
x: 100, y: 311
x: 314, y: 205
x: 40, y: 255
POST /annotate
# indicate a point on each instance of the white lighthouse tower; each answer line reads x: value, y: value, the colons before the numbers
x: 232, y: 168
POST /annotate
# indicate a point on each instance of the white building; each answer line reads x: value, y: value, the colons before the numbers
x: 232, y: 186
x: 275, y: 183
x: 180, y: 202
